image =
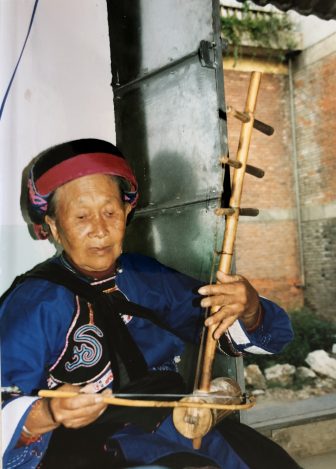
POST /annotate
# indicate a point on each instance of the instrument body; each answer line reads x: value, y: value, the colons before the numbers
x: 197, y: 422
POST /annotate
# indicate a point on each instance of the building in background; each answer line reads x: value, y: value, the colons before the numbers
x: 288, y: 250
x: 59, y: 94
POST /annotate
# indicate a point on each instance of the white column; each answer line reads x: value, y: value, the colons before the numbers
x: 61, y: 92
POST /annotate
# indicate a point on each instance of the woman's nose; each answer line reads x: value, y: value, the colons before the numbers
x: 99, y: 228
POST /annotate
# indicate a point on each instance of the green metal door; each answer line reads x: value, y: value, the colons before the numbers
x: 168, y: 93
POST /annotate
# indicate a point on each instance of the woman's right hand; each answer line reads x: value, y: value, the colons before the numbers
x: 73, y: 412
x: 77, y: 411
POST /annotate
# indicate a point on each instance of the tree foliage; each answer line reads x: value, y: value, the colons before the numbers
x: 310, y: 333
x: 270, y: 31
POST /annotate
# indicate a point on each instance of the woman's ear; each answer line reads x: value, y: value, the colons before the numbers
x: 51, y: 222
x: 129, y: 212
x: 128, y: 209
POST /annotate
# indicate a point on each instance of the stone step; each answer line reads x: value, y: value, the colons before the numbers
x: 303, y: 428
x: 319, y: 461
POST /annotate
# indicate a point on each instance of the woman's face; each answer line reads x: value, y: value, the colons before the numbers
x: 90, y: 221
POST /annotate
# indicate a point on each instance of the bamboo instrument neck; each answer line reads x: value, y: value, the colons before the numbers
x: 225, y: 261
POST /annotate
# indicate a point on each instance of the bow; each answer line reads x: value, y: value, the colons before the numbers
x: 197, y: 400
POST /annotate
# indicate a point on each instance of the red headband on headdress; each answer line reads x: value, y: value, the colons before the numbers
x: 83, y: 165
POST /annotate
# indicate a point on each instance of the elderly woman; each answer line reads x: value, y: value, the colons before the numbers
x: 95, y: 320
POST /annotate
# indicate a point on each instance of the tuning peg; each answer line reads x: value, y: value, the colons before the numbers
x: 262, y: 127
x: 244, y: 212
x: 257, y: 124
x: 225, y: 211
x: 242, y: 116
x: 254, y: 171
x: 234, y: 163
x: 248, y: 212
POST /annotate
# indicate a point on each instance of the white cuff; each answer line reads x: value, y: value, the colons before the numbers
x: 11, y: 415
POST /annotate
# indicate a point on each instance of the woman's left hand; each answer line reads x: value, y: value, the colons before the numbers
x: 231, y: 298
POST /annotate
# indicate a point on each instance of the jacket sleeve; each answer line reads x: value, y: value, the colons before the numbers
x: 33, y: 319
x: 175, y: 300
x: 13, y: 415
x: 273, y: 334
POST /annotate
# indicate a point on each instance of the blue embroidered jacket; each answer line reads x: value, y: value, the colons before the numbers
x: 35, y: 322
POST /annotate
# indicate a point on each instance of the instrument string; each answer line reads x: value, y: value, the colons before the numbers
x: 212, y: 274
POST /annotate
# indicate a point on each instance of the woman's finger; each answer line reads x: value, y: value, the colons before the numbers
x: 223, y: 327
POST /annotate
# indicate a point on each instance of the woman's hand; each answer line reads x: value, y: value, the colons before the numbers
x: 231, y: 298
x: 78, y: 411
x: 72, y: 412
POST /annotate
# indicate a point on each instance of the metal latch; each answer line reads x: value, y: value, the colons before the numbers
x: 206, y: 53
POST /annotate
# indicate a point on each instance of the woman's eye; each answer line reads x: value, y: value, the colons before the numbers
x: 81, y: 217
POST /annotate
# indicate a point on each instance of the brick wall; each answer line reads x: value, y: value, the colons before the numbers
x: 266, y: 247
x: 315, y: 102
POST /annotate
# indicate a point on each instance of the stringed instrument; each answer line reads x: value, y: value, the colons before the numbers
x: 195, y: 423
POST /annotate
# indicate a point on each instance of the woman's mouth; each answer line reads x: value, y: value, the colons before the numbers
x: 100, y: 249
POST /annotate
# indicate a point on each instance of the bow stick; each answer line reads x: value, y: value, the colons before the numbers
x: 117, y: 401
x: 127, y: 400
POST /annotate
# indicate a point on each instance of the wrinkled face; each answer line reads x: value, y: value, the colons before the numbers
x: 90, y: 221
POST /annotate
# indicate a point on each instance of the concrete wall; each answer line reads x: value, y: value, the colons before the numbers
x: 315, y: 105
x: 61, y: 91
x: 312, y: 28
